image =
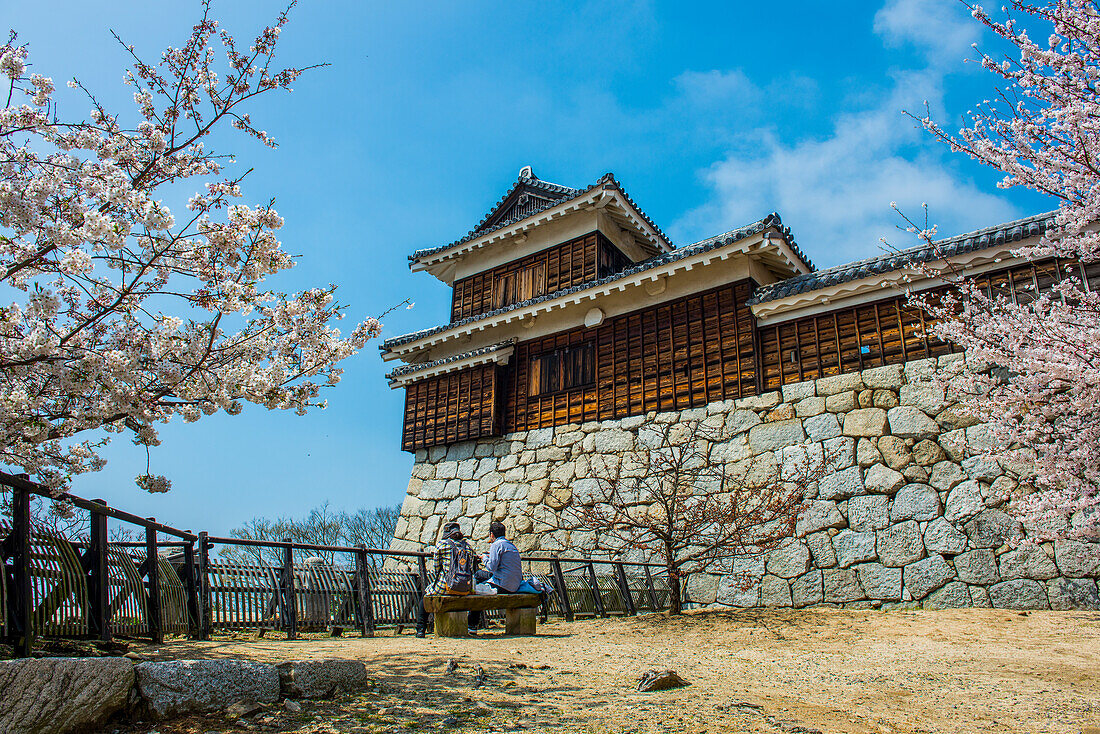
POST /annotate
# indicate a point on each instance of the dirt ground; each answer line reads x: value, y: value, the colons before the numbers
x: 811, y: 670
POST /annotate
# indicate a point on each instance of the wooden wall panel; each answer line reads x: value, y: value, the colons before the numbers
x: 562, y: 266
x: 455, y: 407
x: 680, y: 354
x: 888, y: 331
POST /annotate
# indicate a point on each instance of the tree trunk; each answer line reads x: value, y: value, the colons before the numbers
x: 675, y: 604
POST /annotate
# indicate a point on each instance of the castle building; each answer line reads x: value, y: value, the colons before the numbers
x: 574, y: 320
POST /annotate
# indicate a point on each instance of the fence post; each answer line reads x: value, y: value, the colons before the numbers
x: 559, y: 581
x: 289, y: 600
x: 194, y: 618
x: 649, y: 588
x: 152, y: 572
x: 597, y: 597
x: 22, y: 601
x: 624, y: 588
x: 206, y: 613
x: 366, y: 600
x: 99, y: 585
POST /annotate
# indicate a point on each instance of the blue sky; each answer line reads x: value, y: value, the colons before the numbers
x: 711, y: 114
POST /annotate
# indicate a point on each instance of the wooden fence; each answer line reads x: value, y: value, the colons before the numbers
x: 56, y: 587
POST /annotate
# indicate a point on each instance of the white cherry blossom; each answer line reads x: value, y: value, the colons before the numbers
x: 124, y: 313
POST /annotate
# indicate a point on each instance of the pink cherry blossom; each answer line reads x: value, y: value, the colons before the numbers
x: 1042, y: 131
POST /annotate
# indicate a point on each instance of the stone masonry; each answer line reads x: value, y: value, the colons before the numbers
x: 911, y: 510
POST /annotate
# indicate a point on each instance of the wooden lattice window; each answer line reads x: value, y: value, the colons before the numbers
x: 563, y: 369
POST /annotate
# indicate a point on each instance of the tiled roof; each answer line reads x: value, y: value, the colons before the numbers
x: 556, y: 194
x: 772, y: 220
x: 412, y: 368
x: 958, y: 245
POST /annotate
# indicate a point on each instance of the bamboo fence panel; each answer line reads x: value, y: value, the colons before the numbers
x: 58, y: 592
x: 243, y: 595
x: 126, y: 594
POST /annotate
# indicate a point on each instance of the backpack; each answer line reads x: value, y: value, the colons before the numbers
x: 460, y: 570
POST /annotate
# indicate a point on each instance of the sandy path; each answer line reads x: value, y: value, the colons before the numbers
x: 829, y: 670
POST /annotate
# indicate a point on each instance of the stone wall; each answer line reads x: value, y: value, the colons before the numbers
x: 910, y: 511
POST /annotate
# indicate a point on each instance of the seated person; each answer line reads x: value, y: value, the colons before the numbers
x: 452, y: 537
x: 503, y: 570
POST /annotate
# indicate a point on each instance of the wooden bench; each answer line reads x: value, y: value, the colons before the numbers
x: 450, y: 611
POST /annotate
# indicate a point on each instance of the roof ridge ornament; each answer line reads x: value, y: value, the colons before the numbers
x: 527, y: 172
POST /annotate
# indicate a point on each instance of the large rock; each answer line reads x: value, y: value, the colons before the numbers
x: 992, y: 528
x: 47, y: 695
x: 178, y: 687
x: 841, y: 586
x: 879, y: 582
x: 740, y: 421
x: 954, y: 595
x: 739, y: 590
x: 1018, y: 594
x: 660, y: 680
x: 895, y: 452
x: 977, y: 567
x: 868, y: 512
x: 320, y: 678
x: 806, y: 589
x: 924, y: 577
x: 796, y: 391
x: 702, y: 588
x: 817, y: 515
x: 613, y: 441
x: 789, y: 559
x: 775, y: 592
x: 909, y: 422
x: 928, y: 396
x: 928, y: 453
x: 1076, y: 558
x: 839, y: 383
x: 822, y: 427
x: 945, y: 475
x: 983, y: 467
x: 1066, y: 594
x: 1027, y: 562
x: 942, y: 537
x: 840, y: 485
x: 887, y: 377
x: 821, y: 546
x: 865, y: 422
x: 771, y: 436
x: 964, y: 502
x: 882, y: 479
x: 852, y: 548
x: 915, y: 502
x: 899, y: 545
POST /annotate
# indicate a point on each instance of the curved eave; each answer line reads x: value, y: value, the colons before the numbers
x: 497, y: 353
x: 767, y: 247
x: 607, y: 197
x: 881, y: 285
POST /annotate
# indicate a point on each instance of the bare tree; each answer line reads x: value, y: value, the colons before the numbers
x: 258, y: 528
x: 372, y: 527
x: 680, y: 502
x: 57, y: 516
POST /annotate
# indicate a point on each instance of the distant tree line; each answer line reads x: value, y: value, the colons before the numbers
x: 373, y: 527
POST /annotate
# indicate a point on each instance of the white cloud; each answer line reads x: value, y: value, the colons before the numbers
x: 834, y: 191
x: 939, y: 28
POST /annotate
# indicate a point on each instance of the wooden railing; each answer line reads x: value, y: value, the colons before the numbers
x: 57, y: 587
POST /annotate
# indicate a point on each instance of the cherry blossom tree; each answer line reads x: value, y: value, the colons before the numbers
x: 682, y: 502
x: 1042, y: 131
x: 125, y: 313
